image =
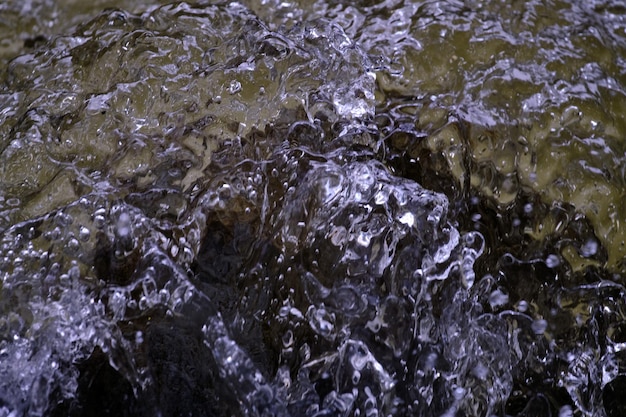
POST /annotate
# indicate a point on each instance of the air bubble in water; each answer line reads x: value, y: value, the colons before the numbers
x: 84, y: 234
x: 54, y: 234
x: 359, y: 357
x: 99, y: 221
x: 321, y: 322
x: 74, y: 272
x: 63, y: 219
x: 288, y: 339
x: 72, y: 244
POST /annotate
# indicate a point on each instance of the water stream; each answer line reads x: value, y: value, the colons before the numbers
x: 328, y: 208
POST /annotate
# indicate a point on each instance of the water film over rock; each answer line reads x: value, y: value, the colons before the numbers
x: 325, y: 208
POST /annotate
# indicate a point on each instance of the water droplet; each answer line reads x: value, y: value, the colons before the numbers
x: 123, y: 227
x: 364, y: 239
x: 408, y: 219
x: 234, y: 87
x: 164, y: 296
x: 566, y: 411
x: 589, y: 249
x: 528, y: 209
x: 480, y: 371
x: 381, y: 198
x: 539, y: 326
x: 374, y: 325
x: 74, y: 272
x: 522, y: 306
x: 497, y: 299
x: 459, y: 393
x: 552, y: 261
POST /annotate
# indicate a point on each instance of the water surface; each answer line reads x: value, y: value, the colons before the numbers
x: 312, y: 208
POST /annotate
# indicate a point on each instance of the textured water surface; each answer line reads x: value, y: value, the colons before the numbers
x: 322, y: 208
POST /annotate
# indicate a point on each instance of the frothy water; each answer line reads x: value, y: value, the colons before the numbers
x: 313, y: 209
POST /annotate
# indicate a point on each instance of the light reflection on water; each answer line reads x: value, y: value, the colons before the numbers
x: 312, y: 208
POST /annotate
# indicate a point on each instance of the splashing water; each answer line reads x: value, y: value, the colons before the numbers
x: 316, y: 209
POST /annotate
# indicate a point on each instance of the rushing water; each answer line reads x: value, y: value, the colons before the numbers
x: 303, y: 208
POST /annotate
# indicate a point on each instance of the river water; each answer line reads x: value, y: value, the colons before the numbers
x: 313, y: 208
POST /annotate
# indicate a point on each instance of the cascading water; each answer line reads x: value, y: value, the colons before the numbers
x: 313, y: 209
